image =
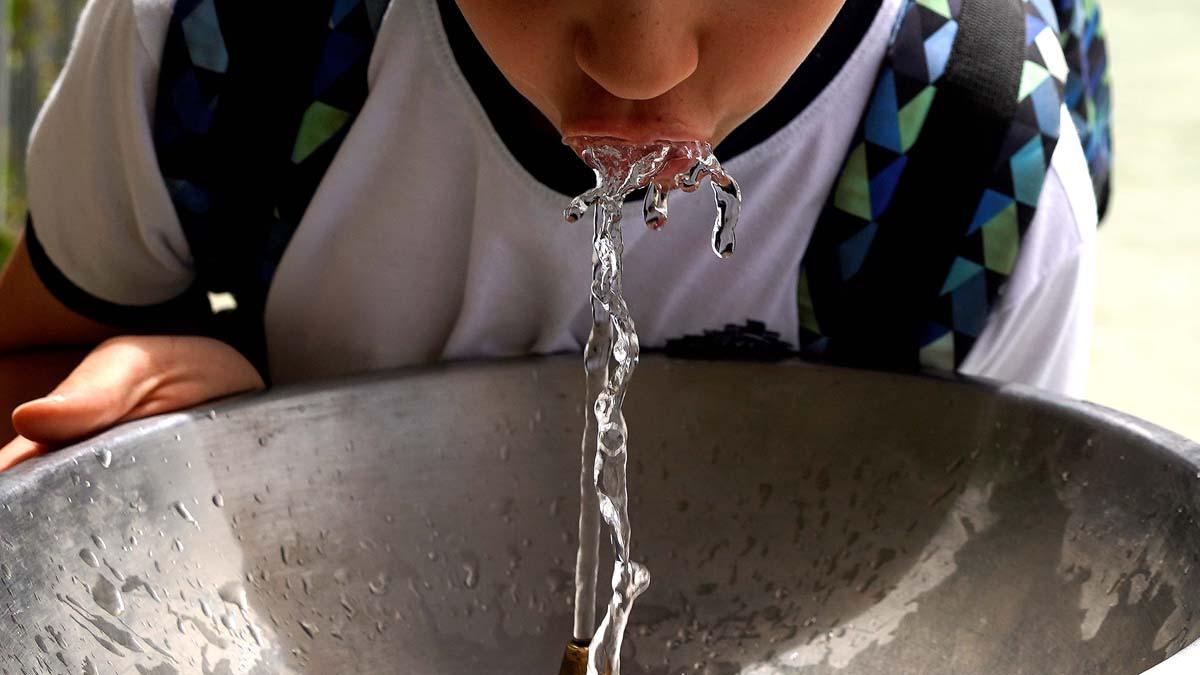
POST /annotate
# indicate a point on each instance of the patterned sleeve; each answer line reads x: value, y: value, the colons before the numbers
x: 103, y: 229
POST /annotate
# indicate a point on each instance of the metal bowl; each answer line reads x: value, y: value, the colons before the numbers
x: 796, y: 519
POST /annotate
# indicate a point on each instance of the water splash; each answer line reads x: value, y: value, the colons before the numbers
x: 612, y: 352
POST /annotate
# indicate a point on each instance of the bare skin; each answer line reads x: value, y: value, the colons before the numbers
x: 122, y: 378
x: 631, y: 69
x: 643, y: 71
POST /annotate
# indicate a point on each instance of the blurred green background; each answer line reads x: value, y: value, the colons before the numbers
x: 1147, y: 320
x: 36, y: 35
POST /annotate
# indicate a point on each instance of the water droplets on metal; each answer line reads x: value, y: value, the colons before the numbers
x: 379, y: 585
x: 182, y: 510
x: 107, y: 596
x: 470, y: 574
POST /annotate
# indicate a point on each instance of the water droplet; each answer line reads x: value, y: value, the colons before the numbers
x: 99, y: 542
x: 178, y: 545
x: 183, y: 512
x: 218, y: 500
x: 309, y: 629
x: 235, y: 594
x: 728, y: 198
x: 379, y: 585
x: 107, y: 596
x: 104, y: 456
x: 256, y: 633
x: 655, y: 206
x: 88, y: 557
x: 470, y: 574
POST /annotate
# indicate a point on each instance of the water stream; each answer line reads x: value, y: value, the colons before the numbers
x: 611, y: 355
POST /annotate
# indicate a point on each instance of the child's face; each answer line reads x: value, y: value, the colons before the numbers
x: 649, y: 69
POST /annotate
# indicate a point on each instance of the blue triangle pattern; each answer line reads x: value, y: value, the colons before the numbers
x: 1034, y: 25
x: 883, y: 120
x: 1047, y: 105
x: 991, y: 204
x: 883, y: 185
x: 960, y: 272
x: 938, y: 48
x: 844, y: 276
x: 341, y: 52
x: 195, y: 112
x: 1045, y: 8
x: 341, y: 9
x: 1029, y: 172
x: 853, y: 251
x: 205, y: 43
x: 971, y: 306
x: 196, y: 199
x: 932, y: 333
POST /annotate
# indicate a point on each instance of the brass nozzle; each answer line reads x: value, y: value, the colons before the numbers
x: 575, y: 659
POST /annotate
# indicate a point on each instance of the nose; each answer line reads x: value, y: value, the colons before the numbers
x: 637, y: 50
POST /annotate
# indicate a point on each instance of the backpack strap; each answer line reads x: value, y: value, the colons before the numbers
x: 246, y: 125
x: 924, y: 225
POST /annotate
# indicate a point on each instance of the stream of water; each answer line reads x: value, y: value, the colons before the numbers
x: 611, y: 355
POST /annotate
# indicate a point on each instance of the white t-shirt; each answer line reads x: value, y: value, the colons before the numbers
x: 427, y: 240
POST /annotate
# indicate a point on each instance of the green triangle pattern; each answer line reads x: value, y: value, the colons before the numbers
x: 912, y: 117
x: 321, y: 121
x: 940, y: 6
x: 960, y: 272
x: 1002, y: 241
x: 1032, y: 77
x: 939, y: 354
x: 853, y: 193
x: 938, y: 327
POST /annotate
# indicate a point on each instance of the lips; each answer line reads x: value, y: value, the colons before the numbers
x: 633, y: 130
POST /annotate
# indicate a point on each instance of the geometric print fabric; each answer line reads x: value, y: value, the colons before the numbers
x: 984, y: 249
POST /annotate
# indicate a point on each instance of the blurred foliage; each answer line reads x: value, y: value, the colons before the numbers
x: 35, y: 36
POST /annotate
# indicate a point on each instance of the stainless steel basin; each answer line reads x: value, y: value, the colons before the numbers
x: 796, y: 519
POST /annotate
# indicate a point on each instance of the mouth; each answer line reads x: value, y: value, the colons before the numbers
x: 632, y: 131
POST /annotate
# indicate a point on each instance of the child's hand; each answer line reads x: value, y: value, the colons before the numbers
x: 124, y: 379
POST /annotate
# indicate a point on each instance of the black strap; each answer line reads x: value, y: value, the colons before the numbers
x: 947, y: 170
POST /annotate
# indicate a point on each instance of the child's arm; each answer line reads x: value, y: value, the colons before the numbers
x: 121, y: 379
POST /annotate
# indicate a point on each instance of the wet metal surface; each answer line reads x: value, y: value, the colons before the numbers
x: 424, y: 523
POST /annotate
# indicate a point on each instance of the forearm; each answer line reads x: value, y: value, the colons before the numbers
x: 31, y: 374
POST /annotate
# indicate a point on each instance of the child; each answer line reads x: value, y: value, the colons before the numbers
x: 223, y: 194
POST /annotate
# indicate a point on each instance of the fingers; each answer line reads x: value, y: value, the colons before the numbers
x: 133, y: 377
x: 104, y: 387
x: 19, y: 450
